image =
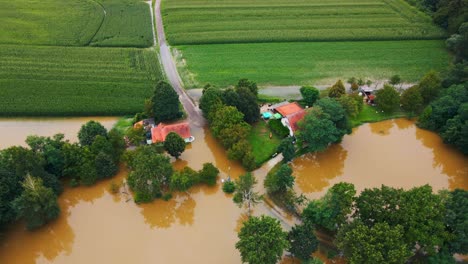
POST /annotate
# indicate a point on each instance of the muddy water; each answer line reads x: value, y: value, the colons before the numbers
x: 201, y: 226
x: 395, y: 153
x: 14, y: 131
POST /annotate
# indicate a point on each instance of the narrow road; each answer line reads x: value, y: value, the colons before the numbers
x: 195, y: 116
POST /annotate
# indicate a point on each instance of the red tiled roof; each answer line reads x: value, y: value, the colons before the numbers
x: 294, y: 118
x: 159, y: 133
x: 289, y: 109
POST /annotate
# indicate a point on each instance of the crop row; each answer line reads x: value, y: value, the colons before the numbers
x: 75, y: 81
x: 241, y: 22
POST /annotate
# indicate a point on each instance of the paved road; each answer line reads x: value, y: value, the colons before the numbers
x: 195, y: 116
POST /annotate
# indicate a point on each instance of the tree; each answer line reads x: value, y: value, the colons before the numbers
x: 261, y: 240
x: 118, y: 143
x: 456, y: 221
x: 101, y: 144
x: 309, y: 94
x: 37, y: 204
x: 210, y: 100
x: 174, y: 144
x: 411, y: 100
x: 252, y: 86
x: 246, y: 103
x: 349, y: 105
x: 149, y: 174
x: 183, y: 180
x: 380, y: 243
x: 90, y: 131
x: 10, y: 189
x: 395, y: 80
x: 429, y: 86
x: 208, y: 174
x: 317, y: 131
x: 331, y: 211
x: 105, y: 166
x: 51, y: 150
x: 458, y: 43
x: 336, y: 113
x: 165, y: 103
x: 303, y: 241
x: 337, y: 90
x: 387, y: 99
x: 136, y: 135
x: 245, y: 194
x: 279, y: 181
x: 287, y: 148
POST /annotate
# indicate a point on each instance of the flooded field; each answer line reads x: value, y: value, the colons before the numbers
x: 394, y: 153
x: 201, y: 226
x: 15, y: 130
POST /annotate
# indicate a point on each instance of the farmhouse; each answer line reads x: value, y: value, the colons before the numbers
x: 291, y: 114
x: 159, y: 133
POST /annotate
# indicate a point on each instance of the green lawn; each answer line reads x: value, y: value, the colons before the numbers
x: 370, y: 114
x: 62, y: 81
x: 300, y: 63
x: 246, y: 21
x: 262, y: 146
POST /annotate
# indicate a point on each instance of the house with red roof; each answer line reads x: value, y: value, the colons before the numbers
x: 160, y: 132
x: 292, y: 113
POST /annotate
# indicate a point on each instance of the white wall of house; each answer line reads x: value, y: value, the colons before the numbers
x: 285, y: 123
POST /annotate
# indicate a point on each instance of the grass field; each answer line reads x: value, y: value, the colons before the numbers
x: 63, y: 81
x: 301, y: 63
x: 370, y: 114
x: 245, y: 21
x: 262, y: 145
x: 120, y: 23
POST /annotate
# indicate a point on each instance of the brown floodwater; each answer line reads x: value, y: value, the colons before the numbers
x: 15, y: 130
x: 201, y: 226
x: 394, y: 153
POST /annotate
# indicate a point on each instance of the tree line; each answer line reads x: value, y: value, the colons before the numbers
x: 31, y: 178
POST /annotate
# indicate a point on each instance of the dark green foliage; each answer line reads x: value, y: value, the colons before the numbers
x: 309, y: 94
x: 251, y: 85
x: 359, y: 101
x: 317, y: 131
x: 248, y: 161
x: 208, y: 174
x: 277, y: 127
x: 165, y: 103
x: 411, y: 100
x: 90, y: 131
x: 10, y: 188
x: 261, y: 241
x: 279, y: 181
x: 394, y: 80
x: 229, y: 187
x: 335, y: 113
x: 37, y: 204
x: 51, y: 150
x: 349, y: 104
x: 337, y: 90
x: 150, y: 172
x: 429, y: 86
x: 456, y: 221
x: 210, y: 100
x: 458, y: 43
x: 387, y: 99
x: 379, y: 244
x: 136, y: 135
x: 450, y: 14
x: 118, y: 143
x: 183, y: 180
x: 287, y: 149
x: 105, y: 166
x: 174, y: 144
x: 247, y: 104
x: 101, y: 144
x: 331, y: 211
x: 303, y: 241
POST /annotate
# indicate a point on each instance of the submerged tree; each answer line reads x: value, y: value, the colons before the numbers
x: 174, y: 144
x: 90, y: 131
x: 303, y: 241
x: 261, y: 240
x: 37, y: 204
x: 245, y: 194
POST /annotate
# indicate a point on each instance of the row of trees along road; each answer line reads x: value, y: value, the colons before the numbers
x: 230, y: 113
x: 30, y: 178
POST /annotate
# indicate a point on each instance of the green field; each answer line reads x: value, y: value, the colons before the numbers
x: 246, y: 21
x: 62, y: 81
x: 121, y: 23
x: 301, y: 63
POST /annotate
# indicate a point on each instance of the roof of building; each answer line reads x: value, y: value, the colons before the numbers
x: 289, y: 109
x: 279, y: 104
x: 159, y: 133
x: 294, y: 118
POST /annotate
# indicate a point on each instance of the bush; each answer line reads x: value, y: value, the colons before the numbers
x: 229, y: 187
x: 208, y: 174
x: 277, y: 127
x: 74, y: 183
